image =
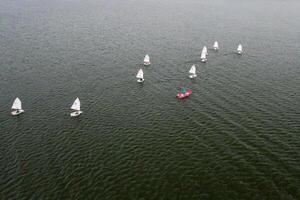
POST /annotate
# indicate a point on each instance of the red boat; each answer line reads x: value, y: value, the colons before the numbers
x: 184, y: 93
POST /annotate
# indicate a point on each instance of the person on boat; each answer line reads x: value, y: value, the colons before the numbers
x: 183, y: 90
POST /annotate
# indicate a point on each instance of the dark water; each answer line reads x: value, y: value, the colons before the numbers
x: 236, y: 137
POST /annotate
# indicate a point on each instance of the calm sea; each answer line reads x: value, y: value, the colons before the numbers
x: 236, y: 137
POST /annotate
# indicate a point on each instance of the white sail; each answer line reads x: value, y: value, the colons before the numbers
x: 76, y: 105
x: 147, y: 59
x: 193, y: 70
x: 205, y: 50
x: 216, y: 45
x: 140, y: 74
x: 17, y: 105
x: 240, y: 48
x: 203, y: 55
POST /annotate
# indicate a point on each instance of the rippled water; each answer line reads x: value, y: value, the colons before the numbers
x: 236, y: 137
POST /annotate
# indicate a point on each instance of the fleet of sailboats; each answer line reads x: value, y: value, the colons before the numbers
x: 17, y: 104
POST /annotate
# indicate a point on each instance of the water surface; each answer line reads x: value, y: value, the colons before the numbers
x: 236, y: 137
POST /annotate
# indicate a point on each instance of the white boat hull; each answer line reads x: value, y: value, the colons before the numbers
x: 147, y: 63
x: 76, y: 113
x: 193, y: 75
x: 17, y: 112
x: 140, y: 80
x: 203, y: 60
x: 216, y: 48
x: 240, y: 52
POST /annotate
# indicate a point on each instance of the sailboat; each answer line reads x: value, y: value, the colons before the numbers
x: 140, y: 76
x: 193, y: 72
x: 17, y: 107
x: 205, y: 50
x: 76, y: 108
x: 216, y: 45
x: 240, y: 49
x: 203, y: 56
x: 147, y: 60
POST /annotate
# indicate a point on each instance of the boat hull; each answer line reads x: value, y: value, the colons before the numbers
x: 185, y: 95
x: 193, y: 75
x: 75, y: 114
x: 140, y: 80
x: 17, y: 112
x: 147, y: 63
x: 240, y: 52
x: 203, y: 60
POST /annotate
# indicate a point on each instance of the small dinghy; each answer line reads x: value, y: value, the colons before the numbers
x: 240, y: 49
x: 17, y: 107
x: 76, y: 107
x: 193, y: 72
x: 205, y: 50
x: 147, y: 60
x: 184, y: 93
x: 140, y: 76
x: 203, y: 56
x: 216, y: 46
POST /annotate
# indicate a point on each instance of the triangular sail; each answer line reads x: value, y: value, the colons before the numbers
x: 147, y: 58
x: 203, y: 55
x: 216, y: 45
x: 205, y: 50
x: 193, y: 70
x: 76, y: 105
x: 240, y: 48
x: 140, y: 74
x: 17, y: 105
